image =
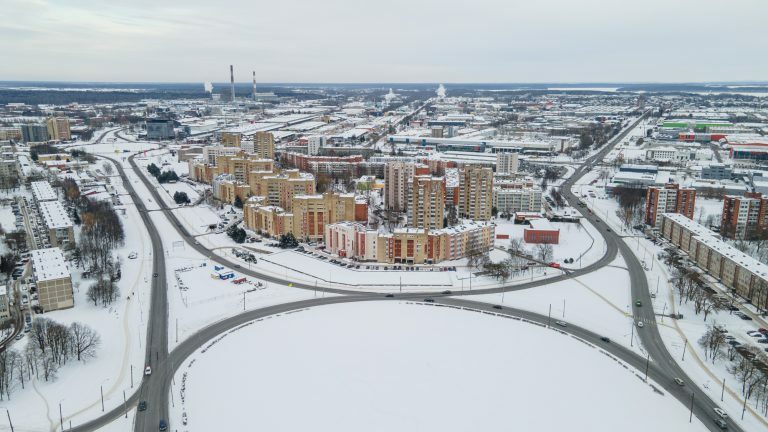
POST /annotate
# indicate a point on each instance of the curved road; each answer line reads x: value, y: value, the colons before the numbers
x: 155, y: 388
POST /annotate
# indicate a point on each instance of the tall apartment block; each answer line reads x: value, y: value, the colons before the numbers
x: 476, y: 193
x: 397, y: 183
x: 427, y: 206
x: 264, y: 145
x: 58, y: 128
x: 744, y: 216
x: 668, y: 199
x: 507, y: 163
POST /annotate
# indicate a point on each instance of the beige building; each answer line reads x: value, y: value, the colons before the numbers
x: 427, y: 202
x: 475, y: 193
x: 280, y: 188
x: 397, y: 182
x: 231, y: 139
x: 736, y: 270
x: 58, y: 128
x: 57, y: 222
x: 403, y: 245
x: 53, y: 280
x: 507, y: 163
x: 264, y: 145
x: 10, y: 133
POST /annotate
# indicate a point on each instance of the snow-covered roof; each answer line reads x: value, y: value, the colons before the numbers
x: 542, y: 225
x: 54, y: 215
x: 49, y: 264
x: 42, y: 191
x: 705, y: 236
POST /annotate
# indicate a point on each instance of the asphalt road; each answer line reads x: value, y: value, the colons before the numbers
x: 155, y: 388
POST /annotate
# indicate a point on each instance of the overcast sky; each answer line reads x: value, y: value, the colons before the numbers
x: 384, y: 41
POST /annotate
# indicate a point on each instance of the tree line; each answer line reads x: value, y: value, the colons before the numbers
x: 162, y: 176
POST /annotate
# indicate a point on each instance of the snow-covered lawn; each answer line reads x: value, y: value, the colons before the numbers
x: 397, y: 366
x: 7, y: 219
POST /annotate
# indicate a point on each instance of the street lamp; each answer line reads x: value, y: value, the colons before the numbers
x: 101, y: 390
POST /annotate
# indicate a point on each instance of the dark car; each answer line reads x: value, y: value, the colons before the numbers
x: 142, y: 406
x: 163, y: 425
x: 429, y: 300
x: 497, y: 306
x: 605, y: 339
x: 447, y: 292
x: 154, y: 274
x: 389, y: 295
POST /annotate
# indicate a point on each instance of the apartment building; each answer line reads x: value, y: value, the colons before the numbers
x: 353, y: 240
x: 475, y: 193
x: 58, y: 128
x: 53, y: 280
x: 508, y: 200
x: 314, y: 144
x: 738, y: 271
x: 311, y: 213
x: 427, y: 202
x: 744, y: 217
x: 267, y: 219
x: 58, y: 224
x: 668, y: 199
x: 264, y: 145
x: 507, y: 163
x: 10, y: 133
x: 459, y: 241
x: 403, y: 245
x: 397, y: 184
x: 43, y: 191
x: 280, y: 188
x: 34, y: 133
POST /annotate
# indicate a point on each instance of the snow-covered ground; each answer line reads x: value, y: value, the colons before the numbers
x: 122, y: 328
x: 398, y: 366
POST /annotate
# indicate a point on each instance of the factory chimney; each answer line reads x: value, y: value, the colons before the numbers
x: 232, y: 81
x: 254, y: 85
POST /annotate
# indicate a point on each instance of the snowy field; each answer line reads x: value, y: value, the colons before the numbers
x: 397, y: 366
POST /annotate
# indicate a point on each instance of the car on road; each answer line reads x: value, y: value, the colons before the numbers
x: 447, y: 292
x: 163, y: 425
x: 605, y: 339
x: 429, y: 300
x: 679, y: 382
x: 132, y: 255
x: 143, y: 406
x: 721, y: 413
x: 721, y: 424
x: 497, y: 306
x: 638, y: 303
x: 148, y: 370
x: 20, y: 336
x: 154, y: 274
x: 561, y: 323
x: 389, y: 295
x: 640, y: 324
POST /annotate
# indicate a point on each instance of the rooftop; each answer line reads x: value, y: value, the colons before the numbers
x: 49, y: 264
x: 42, y: 191
x: 54, y: 215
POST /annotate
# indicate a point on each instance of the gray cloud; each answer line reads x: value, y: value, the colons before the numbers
x: 396, y: 40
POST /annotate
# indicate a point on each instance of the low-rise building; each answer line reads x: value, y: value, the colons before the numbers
x: 508, y: 200
x: 736, y: 270
x: 541, y: 231
x: 57, y: 222
x: 53, y: 280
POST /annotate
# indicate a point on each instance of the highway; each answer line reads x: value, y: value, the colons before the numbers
x: 155, y: 388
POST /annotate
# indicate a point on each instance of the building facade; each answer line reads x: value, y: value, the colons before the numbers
x: 738, y: 271
x: 507, y: 163
x: 744, y: 217
x: 508, y: 200
x: 58, y: 129
x: 53, y: 280
x: 34, y: 133
x: 397, y: 182
x: 668, y: 199
x: 475, y: 193
x: 264, y: 145
x: 427, y: 202
x: 160, y: 129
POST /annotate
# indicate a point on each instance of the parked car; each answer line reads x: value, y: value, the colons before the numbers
x: 679, y: 382
x: 561, y: 323
x: 148, y: 370
x: 143, y: 406
x: 721, y: 413
x: 163, y: 425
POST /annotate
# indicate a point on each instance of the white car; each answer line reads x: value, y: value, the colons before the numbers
x: 640, y: 324
x: 132, y: 255
x: 148, y: 370
x: 721, y: 413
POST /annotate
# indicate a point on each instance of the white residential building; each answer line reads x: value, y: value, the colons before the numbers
x: 517, y: 200
x: 507, y: 163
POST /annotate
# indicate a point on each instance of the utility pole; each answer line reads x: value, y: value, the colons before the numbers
x: 647, y: 362
x: 401, y: 284
x: 243, y: 301
x: 61, y: 417
x: 632, y: 334
x: 690, y: 417
x: 549, y: 316
x: 131, y: 376
x: 563, y: 308
x: 684, y: 347
x: 125, y: 405
x: 101, y: 389
x: 9, y: 418
x: 722, y: 393
x: 177, y: 330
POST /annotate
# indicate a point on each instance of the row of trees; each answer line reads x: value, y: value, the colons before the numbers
x: 517, y: 261
x: 101, y: 233
x: 162, y: 176
x: 181, y: 198
x: 104, y: 290
x: 50, y: 347
x: 237, y: 234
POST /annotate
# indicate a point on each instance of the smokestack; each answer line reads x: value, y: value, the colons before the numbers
x: 254, y: 85
x: 232, y: 81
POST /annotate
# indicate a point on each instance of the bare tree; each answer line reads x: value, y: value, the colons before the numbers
x: 544, y: 252
x: 713, y: 341
x: 85, y: 341
x: 108, y: 170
